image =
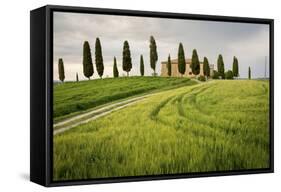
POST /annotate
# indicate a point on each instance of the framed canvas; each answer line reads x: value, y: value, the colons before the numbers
x: 122, y: 95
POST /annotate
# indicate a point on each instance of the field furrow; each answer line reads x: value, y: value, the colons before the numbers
x: 217, y: 126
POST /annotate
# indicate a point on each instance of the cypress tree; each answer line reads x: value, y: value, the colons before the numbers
x: 249, y: 73
x: 61, y: 70
x: 181, y: 60
x: 141, y: 66
x: 115, y: 69
x: 235, y: 68
x: 99, y: 59
x: 127, y: 60
x: 169, y: 66
x: 153, y: 53
x: 77, y: 79
x: 220, y: 65
x: 206, y: 67
x: 195, y: 64
x: 88, y: 68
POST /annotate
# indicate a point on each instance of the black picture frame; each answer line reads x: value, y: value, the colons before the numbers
x: 41, y: 87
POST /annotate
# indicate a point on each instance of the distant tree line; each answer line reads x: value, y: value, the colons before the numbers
x: 88, y: 68
x: 195, y: 66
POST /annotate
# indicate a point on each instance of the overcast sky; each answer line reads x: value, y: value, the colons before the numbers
x: 248, y: 42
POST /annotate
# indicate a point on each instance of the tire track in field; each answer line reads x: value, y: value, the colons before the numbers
x: 202, y: 121
x: 178, y: 102
x: 96, y: 113
x: 154, y: 113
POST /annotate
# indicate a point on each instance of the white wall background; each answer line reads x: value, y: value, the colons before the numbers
x: 14, y: 95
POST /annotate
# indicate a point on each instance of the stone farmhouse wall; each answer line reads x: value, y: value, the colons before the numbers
x: 175, y: 72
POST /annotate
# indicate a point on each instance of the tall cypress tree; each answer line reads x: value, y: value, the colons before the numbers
x: 206, y: 67
x: 181, y: 60
x: 115, y: 69
x: 249, y: 73
x: 235, y: 68
x: 141, y: 66
x: 127, y: 60
x: 153, y: 54
x: 88, y: 68
x: 220, y: 65
x: 99, y: 59
x: 77, y: 79
x: 195, y: 64
x: 61, y: 70
x: 169, y: 66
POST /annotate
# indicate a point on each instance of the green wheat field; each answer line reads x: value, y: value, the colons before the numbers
x: 220, y: 125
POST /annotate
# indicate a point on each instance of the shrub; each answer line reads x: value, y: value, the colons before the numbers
x: 215, y: 75
x: 229, y: 74
x: 202, y: 78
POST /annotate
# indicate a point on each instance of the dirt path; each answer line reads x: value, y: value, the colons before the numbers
x: 95, y: 114
x: 71, y: 122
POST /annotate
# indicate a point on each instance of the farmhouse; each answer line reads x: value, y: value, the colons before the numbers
x: 188, y: 71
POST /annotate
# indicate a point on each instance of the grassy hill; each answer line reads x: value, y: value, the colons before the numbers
x: 217, y: 126
x: 71, y: 97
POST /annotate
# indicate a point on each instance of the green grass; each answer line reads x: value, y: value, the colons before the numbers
x: 217, y: 126
x: 70, y: 98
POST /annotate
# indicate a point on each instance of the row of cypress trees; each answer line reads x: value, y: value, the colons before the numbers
x: 230, y: 74
x: 126, y: 59
x: 195, y: 64
x: 88, y: 69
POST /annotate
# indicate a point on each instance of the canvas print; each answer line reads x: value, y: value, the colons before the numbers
x: 146, y: 96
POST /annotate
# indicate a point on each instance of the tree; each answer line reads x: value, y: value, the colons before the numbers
x: 88, y: 68
x: 77, y: 79
x: 229, y: 74
x: 99, y: 59
x: 61, y: 70
x: 195, y: 64
x: 127, y: 60
x: 115, y: 69
x: 141, y: 66
x: 220, y: 65
x: 153, y: 53
x: 181, y: 60
x: 249, y: 73
x: 235, y: 68
x: 206, y: 67
x: 169, y: 66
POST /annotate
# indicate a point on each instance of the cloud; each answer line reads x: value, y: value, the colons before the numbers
x: 249, y: 42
